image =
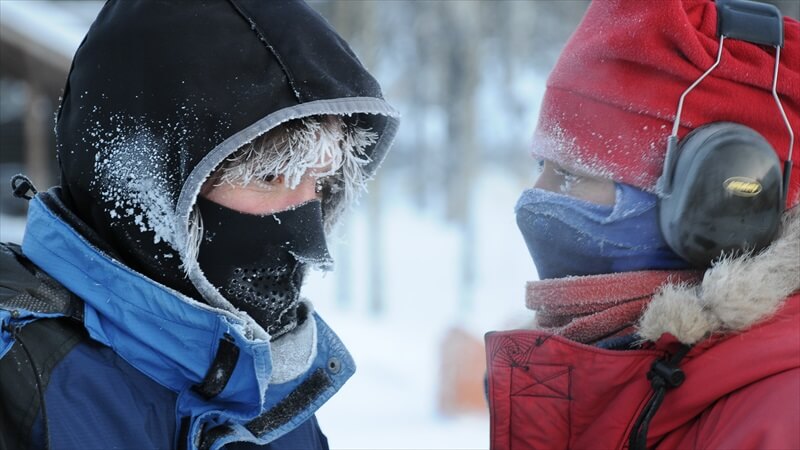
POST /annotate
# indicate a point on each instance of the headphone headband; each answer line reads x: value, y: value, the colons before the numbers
x: 721, y: 190
x: 758, y: 23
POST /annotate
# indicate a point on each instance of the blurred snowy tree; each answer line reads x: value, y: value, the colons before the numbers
x: 460, y: 71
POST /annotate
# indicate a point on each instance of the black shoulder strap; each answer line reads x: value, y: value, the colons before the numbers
x: 39, y: 346
x: 47, y: 341
x: 25, y: 286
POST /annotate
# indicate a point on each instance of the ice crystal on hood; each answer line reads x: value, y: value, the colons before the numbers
x: 326, y: 149
x: 137, y: 170
x: 146, y: 190
x: 131, y: 172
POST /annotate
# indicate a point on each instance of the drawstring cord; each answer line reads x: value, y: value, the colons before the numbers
x: 39, y: 384
x: 22, y: 187
x: 663, y: 375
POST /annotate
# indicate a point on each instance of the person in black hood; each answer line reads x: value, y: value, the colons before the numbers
x: 206, y: 149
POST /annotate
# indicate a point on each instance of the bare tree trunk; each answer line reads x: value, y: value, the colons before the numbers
x: 466, y: 65
x: 36, y: 129
x: 375, y: 200
x: 339, y: 13
x: 356, y: 21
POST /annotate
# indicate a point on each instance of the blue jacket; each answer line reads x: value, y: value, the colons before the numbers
x: 139, y: 366
x: 95, y: 353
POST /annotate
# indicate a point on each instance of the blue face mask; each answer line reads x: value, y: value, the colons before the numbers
x: 569, y: 236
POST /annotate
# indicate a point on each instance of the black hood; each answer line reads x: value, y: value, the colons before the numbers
x: 160, y: 92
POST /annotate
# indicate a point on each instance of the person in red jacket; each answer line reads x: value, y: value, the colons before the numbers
x: 652, y: 331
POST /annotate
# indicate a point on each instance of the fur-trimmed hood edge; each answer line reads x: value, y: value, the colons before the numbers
x: 735, y: 293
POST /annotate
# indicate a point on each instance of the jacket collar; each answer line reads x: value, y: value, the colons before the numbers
x: 169, y: 337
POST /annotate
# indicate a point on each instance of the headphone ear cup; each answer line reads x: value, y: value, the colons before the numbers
x: 726, y: 194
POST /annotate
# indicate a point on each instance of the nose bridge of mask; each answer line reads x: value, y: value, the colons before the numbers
x: 562, y: 207
x: 308, y: 234
x: 630, y: 202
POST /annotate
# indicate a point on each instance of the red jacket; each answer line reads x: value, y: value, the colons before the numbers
x: 742, y: 386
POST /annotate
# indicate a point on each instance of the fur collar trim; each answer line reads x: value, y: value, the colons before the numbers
x: 735, y: 292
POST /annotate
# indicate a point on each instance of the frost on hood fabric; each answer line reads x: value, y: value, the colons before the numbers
x: 160, y: 93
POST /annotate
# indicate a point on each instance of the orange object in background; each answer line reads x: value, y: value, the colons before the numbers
x: 461, y: 374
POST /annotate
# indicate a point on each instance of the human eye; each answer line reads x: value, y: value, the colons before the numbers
x: 272, y: 180
x: 264, y: 182
x: 327, y: 186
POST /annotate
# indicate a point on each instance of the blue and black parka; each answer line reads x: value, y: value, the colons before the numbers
x: 102, y: 346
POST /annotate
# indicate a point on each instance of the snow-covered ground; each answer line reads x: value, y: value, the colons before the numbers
x: 391, y: 402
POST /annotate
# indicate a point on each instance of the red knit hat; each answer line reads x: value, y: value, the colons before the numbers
x: 612, y: 97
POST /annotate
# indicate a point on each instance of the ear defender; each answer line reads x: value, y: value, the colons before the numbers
x: 727, y: 194
x: 721, y: 191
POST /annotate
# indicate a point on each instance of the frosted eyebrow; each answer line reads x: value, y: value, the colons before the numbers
x: 564, y: 172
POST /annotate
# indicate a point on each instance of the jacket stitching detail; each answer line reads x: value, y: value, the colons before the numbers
x: 257, y: 30
x: 543, y: 382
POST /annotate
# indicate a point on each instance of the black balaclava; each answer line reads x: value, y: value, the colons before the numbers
x: 161, y: 93
x: 258, y: 262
